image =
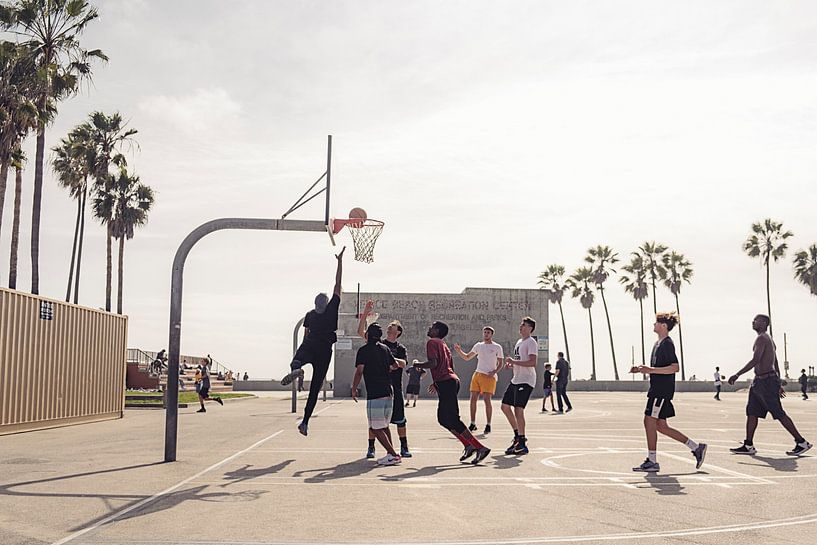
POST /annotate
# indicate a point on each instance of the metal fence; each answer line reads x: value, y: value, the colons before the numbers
x: 60, y: 363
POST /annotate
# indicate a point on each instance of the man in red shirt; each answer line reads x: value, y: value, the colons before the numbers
x: 447, y: 385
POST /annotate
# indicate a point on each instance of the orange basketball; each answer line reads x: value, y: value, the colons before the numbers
x: 357, y: 213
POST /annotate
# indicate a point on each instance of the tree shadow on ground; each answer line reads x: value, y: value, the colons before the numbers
x: 666, y: 484
x: 778, y: 464
x: 246, y: 474
x: 351, y: 469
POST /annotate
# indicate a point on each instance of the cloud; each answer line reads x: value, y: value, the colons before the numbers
x: 203, y: 110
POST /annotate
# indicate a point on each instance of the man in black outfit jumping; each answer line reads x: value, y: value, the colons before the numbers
x: 320, y: 324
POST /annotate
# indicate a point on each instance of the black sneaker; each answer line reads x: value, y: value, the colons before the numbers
x: 487, y: 428
x: 799, y: 449
x: 559, y: 412
x: 472, y: 427
x: 467, y: 453
x: 520, y: 449
x: 219, y: 401
x: 482, y: 453
x: 511, y: 448
x: 569, y: 409
x: 302, y: 427
x: 544, y: 410
x: 404, y: 452
x: 699, y: 454
x: 648, y: 467
x: 370, y: 452
x: 287, y: 380
x: 744, y: 449
x: 202, y: 410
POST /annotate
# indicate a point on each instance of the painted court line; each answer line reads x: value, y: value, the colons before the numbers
x: 721, y: 469
x: 164, y: 492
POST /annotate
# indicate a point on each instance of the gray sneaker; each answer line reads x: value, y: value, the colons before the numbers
x: 648, y: 467
x: 287, y: 380
x: 699, y: 454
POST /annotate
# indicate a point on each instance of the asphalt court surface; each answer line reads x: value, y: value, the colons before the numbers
x: 246, y: 477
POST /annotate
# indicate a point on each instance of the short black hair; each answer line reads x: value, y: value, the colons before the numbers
x: 561, y: 354
x: 374, y: 332
x: 441, y: 327
x: 547, y: 365
x: 766, y: 320
x: 530, y: 321
x: 399, y: 326
x: 670, y: 319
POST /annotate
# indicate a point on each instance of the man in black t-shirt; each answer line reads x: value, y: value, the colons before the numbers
x: 375, y: 363
x: 393, y: 332
x: 547, y: 384
x: 662, y: 369
x: 320, y: 325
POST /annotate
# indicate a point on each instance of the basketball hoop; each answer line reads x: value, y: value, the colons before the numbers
x: 364, y: 233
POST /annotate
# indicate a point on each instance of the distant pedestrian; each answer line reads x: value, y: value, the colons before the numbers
x: 246, y: 376
x: 804, y: 383
x: 562, y: 378
x: 766, y: 391
x: 718, y: 384
x: 413, y: 388
x: 203, y: 388
x: 548, y: 389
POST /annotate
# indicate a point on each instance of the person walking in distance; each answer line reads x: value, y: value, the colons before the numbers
x: 398, y: 415
x: 718, y: 384
x: 766, y: 391
x: 413, y: 386
x: 447, y: 384
x: 203, y: 387
x: 547, y: 389
x: 662, y: 369
x: 320, y: 324
x: 522, y: 384
x: 483, y: 382
x: 374, y: 362
x: 562, y: 378
x: 803, y: 384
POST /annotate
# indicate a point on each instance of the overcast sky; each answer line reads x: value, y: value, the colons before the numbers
x: 494, y: 138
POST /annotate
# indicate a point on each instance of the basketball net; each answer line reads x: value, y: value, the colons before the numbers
x: 364, y: 236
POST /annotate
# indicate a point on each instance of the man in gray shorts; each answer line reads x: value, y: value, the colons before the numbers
x: 766, y: 391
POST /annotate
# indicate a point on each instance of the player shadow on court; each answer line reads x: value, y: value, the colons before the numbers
x: 506, y: 462
x: 778, y: 464
x: 665, y: 484
x: 247, y: 474
x: 351, y: 469
x: 427, y: 471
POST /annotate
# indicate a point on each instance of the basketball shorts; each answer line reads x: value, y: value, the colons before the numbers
x: 482, y: 383
x: 517, y: 395
x: 660, y: 408
x: 379, y: 411
x: 764, y: 398
x: 413, y: 389
x: 546, y: 392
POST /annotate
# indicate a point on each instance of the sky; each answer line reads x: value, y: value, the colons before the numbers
x: 493, y: 138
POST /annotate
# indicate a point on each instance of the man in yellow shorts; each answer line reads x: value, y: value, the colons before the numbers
x: 483, y: 382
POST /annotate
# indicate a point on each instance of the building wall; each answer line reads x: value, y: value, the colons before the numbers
x: 60, y: 363
x: 465, y: 313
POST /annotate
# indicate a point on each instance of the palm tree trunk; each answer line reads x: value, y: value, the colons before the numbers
x: 592, y: 346
x: 654, y: 298
x: 73, y: 252
x: 121, y: 274
x: 643, y: 352
x: 15, y: 228
x: 769, y: 299
x: 680, y: 338
x: 36, y: 207
x: 79, y: 245
x: 4, y: 174
x: 109, y: 269
x: 564, y: 331
x: 610, y: 332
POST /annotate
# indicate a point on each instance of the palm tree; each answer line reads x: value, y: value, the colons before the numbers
x: 124, y: 206
x: 768, y: 242
x: 651, y: 252
x: 52, y: 29
x: 551, y: 280
x: 72, y: 174
x: 635, y: 283
x: 602, y: 259
x: 107, y: 134
x: 805, y: 268
x: 17, y: 161
x: 580, y: 284
x: 678, y: 271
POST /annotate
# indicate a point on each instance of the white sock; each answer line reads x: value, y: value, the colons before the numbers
x: 691, y: 445
x: 651, y: 456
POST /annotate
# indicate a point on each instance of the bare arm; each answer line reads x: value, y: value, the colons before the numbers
x: 425, y: 364
x: 356, y: 380
x: 339, y: 272
x: 530, y: 362
x: 756, y: 358
x: 670, y: 369
x: 467, y: 357
x: 361, y: 324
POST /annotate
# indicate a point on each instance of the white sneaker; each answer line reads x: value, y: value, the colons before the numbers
x: 389, y: 460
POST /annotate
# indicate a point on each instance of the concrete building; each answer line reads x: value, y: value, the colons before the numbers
x: 465, y: 313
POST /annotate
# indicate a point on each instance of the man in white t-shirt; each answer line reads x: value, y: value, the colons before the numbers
x: 483, y: 381
x: 519, y: 390
x: 718, y: 378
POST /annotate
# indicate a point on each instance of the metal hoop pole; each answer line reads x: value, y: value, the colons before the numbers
x: 176, y: 285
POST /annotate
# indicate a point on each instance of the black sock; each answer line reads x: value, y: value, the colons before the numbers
x: 522, y: 440
x: 404, y: 442
x: 747, y: 442
x: 800, y: 440
x: 516, y: 434
x: 371, y: 443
